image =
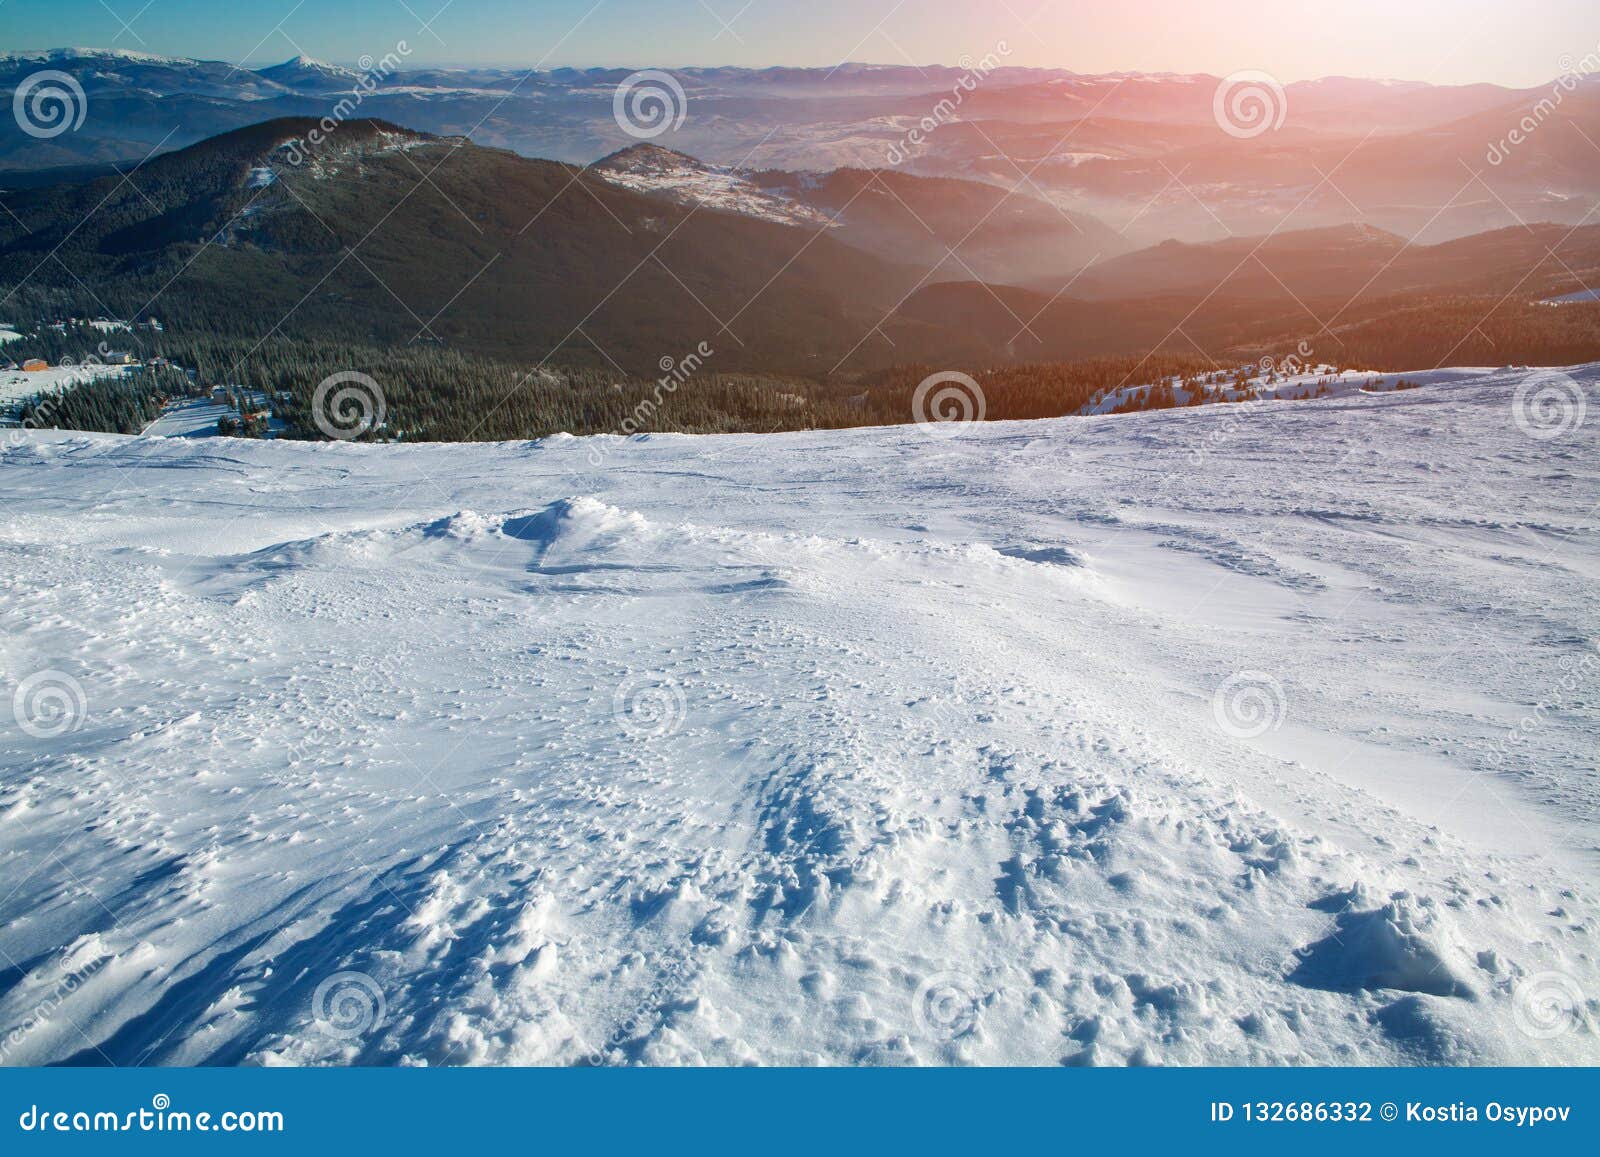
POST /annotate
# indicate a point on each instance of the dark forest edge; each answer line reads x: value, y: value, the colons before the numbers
x: 433, y: 393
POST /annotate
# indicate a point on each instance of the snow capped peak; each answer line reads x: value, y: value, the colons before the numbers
x: 1359, y: 82
x: 306, y: 67
x: 311, y: 64
x: 92, y: 54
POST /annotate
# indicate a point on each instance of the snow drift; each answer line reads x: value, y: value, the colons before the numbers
x: 1222, y: 735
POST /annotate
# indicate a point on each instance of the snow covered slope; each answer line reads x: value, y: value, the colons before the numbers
x: 20, y: 385
x: 646, y: 168
x: 1261, y: 383
x: 1221, y: 735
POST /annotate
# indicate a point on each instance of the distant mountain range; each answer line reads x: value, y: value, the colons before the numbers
x: 1143, y: 155
x: 1347, y: 260
x: 955, y: 230
x: 385, y: 235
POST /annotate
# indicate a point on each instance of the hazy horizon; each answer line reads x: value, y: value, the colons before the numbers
x: 1429, y: 42
x: 411, y: 64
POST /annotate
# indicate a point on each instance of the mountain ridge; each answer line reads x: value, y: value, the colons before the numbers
x: 1098, y: 146
x: 387, y: 236
x: 494, y: 252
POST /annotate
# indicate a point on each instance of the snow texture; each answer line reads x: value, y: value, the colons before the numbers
x: 1228, y: 735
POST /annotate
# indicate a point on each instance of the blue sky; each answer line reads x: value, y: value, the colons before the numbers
x: 1445, y: 41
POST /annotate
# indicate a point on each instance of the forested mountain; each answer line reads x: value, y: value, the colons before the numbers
x: 386, y: 235
x: 1536, y: 259
x: 383, y: 238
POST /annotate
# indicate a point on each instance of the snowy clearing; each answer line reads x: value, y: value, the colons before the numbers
x: 190, y: 418
x: 1289, y: 385
x: 689, y: 182
x: 1235, y: 734
x: 20, y: 385
x: 1576, y: 297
